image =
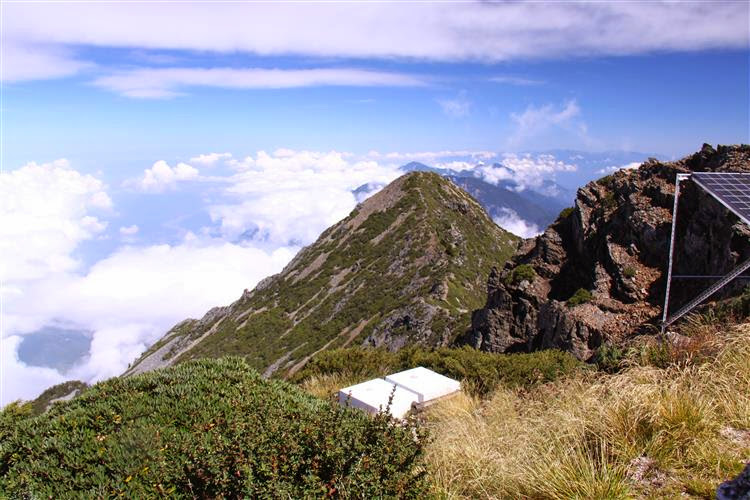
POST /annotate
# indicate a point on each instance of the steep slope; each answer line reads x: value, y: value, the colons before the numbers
x: 407, y: 266
x: 612, y: 246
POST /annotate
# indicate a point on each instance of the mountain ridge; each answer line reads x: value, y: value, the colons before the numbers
x: 407, y: 266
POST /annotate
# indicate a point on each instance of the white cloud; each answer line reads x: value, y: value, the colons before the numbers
x: 128, y: 300
x: 432, y: 155
x: 535, y: 121
x: 18, y: 380
x: 527, y: 171
x: 23, y: 62
x: 456, y: 108
x: 615, y: 168
x: 539, y: 118
x: 159, y: 83
x: 516, y: 80
x: 456, y: 165
x: 161, y: 177
x: 243, y: 164
x: 47, y: 210
x: 292, y: 196
x: 210, y: 159
x: 483, y: 31
x: 511, y: 221
x: 128, y: 230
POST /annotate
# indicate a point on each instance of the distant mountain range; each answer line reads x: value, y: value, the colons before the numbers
x: 504, y: 199
x: 539, y: 205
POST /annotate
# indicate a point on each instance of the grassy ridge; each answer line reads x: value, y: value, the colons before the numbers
x: 207, y: 429
x: 423, y: 255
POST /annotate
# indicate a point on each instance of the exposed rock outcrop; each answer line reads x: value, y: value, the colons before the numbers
x: 737, y: 488
x: 614, y: 245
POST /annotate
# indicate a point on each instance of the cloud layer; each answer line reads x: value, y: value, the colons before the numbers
x: 511, y: 221
x: 161, y: 177
x: 290, y: 197
x: 526, y: 171
x: 479, y: 31
x: 257, y: 211
x: 48, y: 210
x: 267, y: 207
x: 168, y: 82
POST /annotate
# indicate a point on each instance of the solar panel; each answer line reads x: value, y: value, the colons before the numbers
x: 731, y: 189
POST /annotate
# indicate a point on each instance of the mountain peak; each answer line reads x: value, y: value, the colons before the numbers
x: 407, y: 266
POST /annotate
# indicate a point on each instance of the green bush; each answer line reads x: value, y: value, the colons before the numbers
x: 207, y: 429
x: 608, y: 181
x: 482, y: 372
x: 580, y: 297
x: 609, y: 358
x: 629, y: 272
x: 524, y: 272
x: 10, y: 416
x: 566, y: 212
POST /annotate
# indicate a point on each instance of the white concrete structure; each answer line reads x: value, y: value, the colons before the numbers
x: 372, y: 396
x: 426, y: 384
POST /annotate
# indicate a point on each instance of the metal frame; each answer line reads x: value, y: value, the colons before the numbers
x: 735, y: 273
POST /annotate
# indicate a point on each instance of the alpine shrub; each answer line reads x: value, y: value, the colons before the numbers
x: 207, y: 429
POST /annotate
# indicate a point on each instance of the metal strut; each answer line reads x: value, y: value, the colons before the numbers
x: 707, y: 293
x: 678, y: 179
x: 735, y: 273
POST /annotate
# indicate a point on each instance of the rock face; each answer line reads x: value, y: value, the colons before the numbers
x: 614, y: 245
x: 736, y: 489
x: 407, y: 266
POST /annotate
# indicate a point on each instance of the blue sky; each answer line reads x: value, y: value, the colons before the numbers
x: 662, y: 103
x: 158, y: 158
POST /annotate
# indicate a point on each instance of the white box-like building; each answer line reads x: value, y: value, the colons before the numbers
x: 372, y: 397
x: 426, y: 384
x: 416, y: 386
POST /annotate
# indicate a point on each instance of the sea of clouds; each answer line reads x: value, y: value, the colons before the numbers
x: 261, y: 210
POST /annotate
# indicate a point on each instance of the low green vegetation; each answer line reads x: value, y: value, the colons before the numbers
x: 629, y: 272
x: 523, y: 272
x: 608, y: 181
x: 609, y: 357
x: 481, y: 372
x: 581, y: 296
x: 566, y: 212
x: 205, y: 429
x: 541, y: 426
x: 56, y: 392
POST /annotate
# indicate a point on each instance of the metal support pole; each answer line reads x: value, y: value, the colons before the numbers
x: 680, y: 178
x: 707, y: 293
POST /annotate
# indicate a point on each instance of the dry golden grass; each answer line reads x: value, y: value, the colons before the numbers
x: 328, y: 386
x: 645, y: 432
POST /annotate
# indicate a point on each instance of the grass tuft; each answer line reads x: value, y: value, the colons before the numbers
x: 583, y: 436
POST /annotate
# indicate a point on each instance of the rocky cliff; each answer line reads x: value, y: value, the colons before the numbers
x: 407, y: 266
x: 598, y: 273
